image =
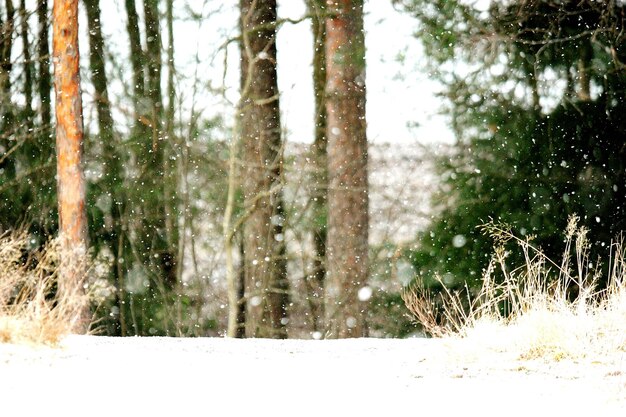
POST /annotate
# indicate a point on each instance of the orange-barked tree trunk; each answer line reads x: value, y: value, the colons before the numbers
x: 346, y: 246
x: 69, y: 146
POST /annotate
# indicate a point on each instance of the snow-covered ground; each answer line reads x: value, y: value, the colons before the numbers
x: 100, y: 376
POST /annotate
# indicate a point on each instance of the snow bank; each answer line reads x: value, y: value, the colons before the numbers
x: 101, y: 376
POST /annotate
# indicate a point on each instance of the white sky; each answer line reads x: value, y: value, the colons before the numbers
x: 399, y: 92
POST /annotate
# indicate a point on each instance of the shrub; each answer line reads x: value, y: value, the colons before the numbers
x: 31, y: 308
x: 542, y: 308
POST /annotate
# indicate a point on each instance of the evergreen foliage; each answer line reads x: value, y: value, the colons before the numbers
x: 536, y: 96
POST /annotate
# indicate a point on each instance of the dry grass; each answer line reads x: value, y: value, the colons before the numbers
x: 542, y: 309
x: 32, y: 310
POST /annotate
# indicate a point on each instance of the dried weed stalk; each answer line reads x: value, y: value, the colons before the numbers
x: 32, y: 310
x: 542, y: 308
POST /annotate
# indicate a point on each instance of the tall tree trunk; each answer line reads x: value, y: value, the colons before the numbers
x: 113, y: 172
x: 6, y: 46
x: 99, y: 77
x: 235, y: 300
x: 171, y: 146
x: 347, y: 247
x: 320, y: 183
x: 6, y: 64
x: 162, y: 254
x: 44, y: 81
x: 584, y: 66
x: 171, y: 69
x: 6, y: 108
x: 153, y: 67
x: 241, y: 295
x: 264, y: 250
x: 28, y: 65
x: 70, y: 176
x: 316, y: 9
x: 136, y: 55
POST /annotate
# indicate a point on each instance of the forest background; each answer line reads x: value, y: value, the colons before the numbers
x: 533, y: 94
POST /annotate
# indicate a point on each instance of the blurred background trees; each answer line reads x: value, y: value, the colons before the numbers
x: 175, y: 162
x: 535, y: 95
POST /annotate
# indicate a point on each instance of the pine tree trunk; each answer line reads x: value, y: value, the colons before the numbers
x: 347, y: 242
x: 266, y: 283
x: 98, y: 74
x: 316, y: 9
x: 6, y: 65
x: 113, y: 172
x: 7, y: 166
x: 44, y: 82
x: 171, y: 70
x: 161, y: 253
x: 70, y: 176
x: 153, y: 64
x: 28, y: 65
x: 6, y: 48
x: 240, y: 332
x: 136, y: 54
x: 171, y: 148
x: 139, y: 136
x: 584, y: 66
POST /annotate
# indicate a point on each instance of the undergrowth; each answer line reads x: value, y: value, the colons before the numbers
x: 541, y: 309
x: 32, y: 309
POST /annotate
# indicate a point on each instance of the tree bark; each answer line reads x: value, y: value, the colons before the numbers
x: 316, y: 9
x: 99, y: 77
x: 347, y: 241
x: 28, y: 71
x: 266, y: 283
x: 6, y: 65
x: 136, y: 54
x: 171, y: 69
x: 153, y: 66
x: 113, y: 171
x: 240, y: 332
x: 69, y: 145
x: 6, y: 107
x: 161, y: 254
x: 584, y: 66
x: 44, y: 82
x: 171, y: 146
x: 6, y: 48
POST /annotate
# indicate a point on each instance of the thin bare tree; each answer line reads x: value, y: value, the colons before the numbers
x: 319, y: 183
x: 44, y: 82
x: 28, y: 64
x: 112, y: 233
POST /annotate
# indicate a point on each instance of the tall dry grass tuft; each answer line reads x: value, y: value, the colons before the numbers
x: 32, y: 310
x: 542, y: 309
